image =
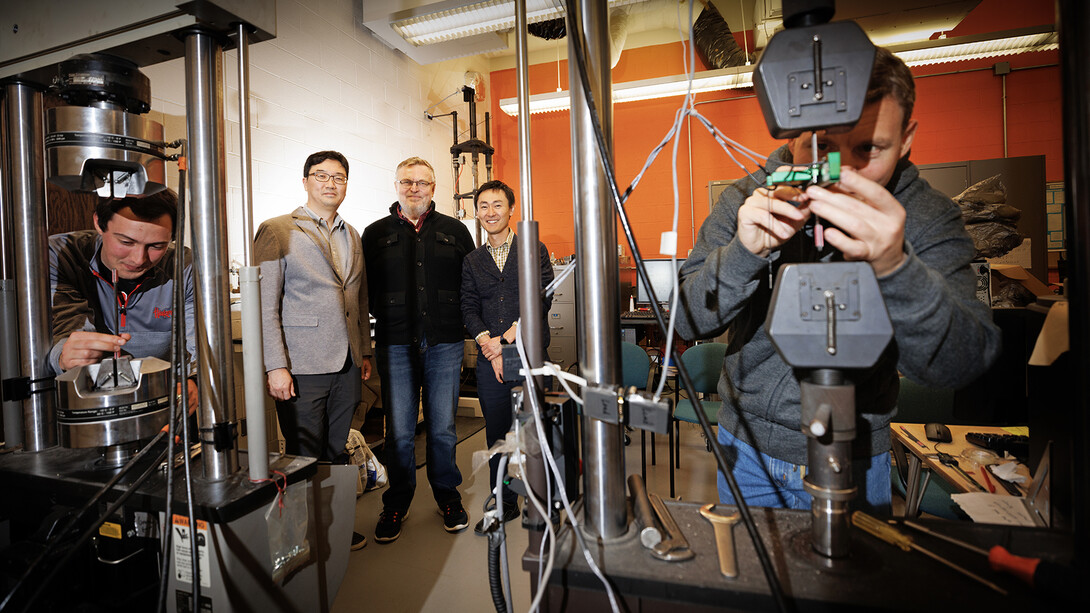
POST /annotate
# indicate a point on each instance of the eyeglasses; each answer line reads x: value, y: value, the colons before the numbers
x: 406, y: 183
x: 323, y: 177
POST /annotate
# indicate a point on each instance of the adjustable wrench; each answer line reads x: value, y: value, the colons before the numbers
x: 724, y: 539
x: 675, y: 548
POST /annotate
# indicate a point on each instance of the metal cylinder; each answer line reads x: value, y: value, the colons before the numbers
x: 22, y: 170
x: 108, y: 150
x: 595, y: 248
x: 826, y: 398
x: 9, y: 344
x: 253, y: 359
x: 244, y: 144
x: 253, y: 369
x: 208, y: 216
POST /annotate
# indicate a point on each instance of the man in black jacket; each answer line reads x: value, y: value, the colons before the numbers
x: 414, y: 271
x: 490, y: 307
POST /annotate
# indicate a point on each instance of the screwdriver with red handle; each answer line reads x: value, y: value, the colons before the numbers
x: 1047, y: 577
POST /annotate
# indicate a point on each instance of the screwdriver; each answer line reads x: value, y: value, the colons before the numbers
x: 117, y: 320
x: 1047, y: 576
x: 895, y: 537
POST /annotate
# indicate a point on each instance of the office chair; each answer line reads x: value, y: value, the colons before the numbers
x: 636, y: 372
x: 704, y: 364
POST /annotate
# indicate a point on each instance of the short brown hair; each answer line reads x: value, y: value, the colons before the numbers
x: 145, y: 208
x: 891, y: 77
x: 415, y: 161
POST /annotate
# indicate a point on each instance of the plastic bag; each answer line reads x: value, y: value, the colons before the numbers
x: 286, y: 519
x: 372, y: 473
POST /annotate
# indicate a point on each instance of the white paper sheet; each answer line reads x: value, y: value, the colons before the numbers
x: 987, y: 508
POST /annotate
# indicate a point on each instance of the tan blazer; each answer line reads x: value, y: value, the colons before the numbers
x: 310, y: 315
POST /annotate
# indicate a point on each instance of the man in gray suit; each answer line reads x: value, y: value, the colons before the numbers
x: 314, y: 315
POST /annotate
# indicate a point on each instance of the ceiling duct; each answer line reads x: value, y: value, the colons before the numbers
x: 714, y: 40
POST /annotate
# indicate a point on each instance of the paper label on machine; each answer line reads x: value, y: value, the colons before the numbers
x: 183, y: 568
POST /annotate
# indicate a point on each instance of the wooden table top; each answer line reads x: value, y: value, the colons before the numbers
x: 927, y: 451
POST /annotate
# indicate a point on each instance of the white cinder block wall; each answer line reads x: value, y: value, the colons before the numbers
x: 326, y: 82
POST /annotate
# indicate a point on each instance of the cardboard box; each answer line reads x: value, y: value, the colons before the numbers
x: 1023, y: 276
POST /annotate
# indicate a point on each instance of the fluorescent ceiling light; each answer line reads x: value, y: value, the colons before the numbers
x: 647, y: 89
x: 965, y: 48
x: 478, y: 18
x: 920, y: 54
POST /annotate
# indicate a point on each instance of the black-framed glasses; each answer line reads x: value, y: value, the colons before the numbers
x: 323, y: 177
x: 407, y: 183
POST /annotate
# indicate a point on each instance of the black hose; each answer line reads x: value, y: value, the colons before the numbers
x: 91, y: 530
x: 717, y: 450
x: 495, y: 581
x: 179, y: 297
x: 177, y: 357
x: 59, y: 535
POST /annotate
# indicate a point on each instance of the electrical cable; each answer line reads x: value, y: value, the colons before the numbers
x: 179, y: 299
x: 558, y: 279
x: 177, y: 355
x: 59, y: 535
x: 717, y: 450
x: 550, y: 461
x: 75, y: 547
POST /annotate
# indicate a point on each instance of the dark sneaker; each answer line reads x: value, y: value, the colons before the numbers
x: 455, y: 518
x: 510, y: 512
x: 389, y: 525
x: 359, y: 541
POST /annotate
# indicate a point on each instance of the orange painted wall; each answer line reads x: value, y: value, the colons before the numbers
x: 960, y: 117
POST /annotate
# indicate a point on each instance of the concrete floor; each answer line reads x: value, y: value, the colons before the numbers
x: 428, y: 569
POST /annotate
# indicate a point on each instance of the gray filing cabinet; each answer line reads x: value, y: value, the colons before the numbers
x: 562, y: 349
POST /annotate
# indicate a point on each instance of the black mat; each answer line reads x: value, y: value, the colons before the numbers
x: 464, y: 426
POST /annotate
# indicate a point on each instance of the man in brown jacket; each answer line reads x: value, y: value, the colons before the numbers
x: 314, y: 313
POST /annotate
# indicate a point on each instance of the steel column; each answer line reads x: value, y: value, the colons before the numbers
x: 595, y: 248
x: 24, y: 203
x: 208, y: 216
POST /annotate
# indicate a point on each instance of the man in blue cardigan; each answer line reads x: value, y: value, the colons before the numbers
x: 490, y: 308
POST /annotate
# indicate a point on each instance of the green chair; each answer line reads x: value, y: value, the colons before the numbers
x: 704, y: 363
x: 636, y: 372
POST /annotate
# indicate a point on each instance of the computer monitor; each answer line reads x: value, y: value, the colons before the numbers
x: 661, y: 274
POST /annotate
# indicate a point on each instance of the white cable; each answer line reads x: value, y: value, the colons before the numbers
x: 551, y: 462
x: 565, y: 272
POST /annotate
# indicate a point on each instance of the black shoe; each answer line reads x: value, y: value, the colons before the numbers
x: 359, y: 541
x: 389, y: 525
x: 455, y: 518
x: 510, y: 512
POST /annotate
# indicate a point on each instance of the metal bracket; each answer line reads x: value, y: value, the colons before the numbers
x: 18, y: 389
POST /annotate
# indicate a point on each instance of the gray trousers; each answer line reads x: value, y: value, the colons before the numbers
x: 315, y: 422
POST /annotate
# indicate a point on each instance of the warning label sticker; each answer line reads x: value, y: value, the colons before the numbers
x: 183, y: 548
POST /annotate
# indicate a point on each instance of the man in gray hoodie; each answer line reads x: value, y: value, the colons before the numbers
x: 880, y: 212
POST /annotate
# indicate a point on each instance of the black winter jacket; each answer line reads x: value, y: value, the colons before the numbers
x: 414, y: 278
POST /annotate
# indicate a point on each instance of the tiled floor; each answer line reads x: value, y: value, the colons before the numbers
x: 428, y: 569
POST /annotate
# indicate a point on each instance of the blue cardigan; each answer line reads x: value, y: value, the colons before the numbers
x: 490, y: 297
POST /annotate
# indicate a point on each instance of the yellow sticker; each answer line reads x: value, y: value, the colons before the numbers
x: 110, y: 529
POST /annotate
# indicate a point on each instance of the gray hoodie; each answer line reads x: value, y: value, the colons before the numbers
x: 943, y: 336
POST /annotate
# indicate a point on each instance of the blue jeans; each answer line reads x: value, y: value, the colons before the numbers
x: 405, y: 371
x: 767, y: 482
